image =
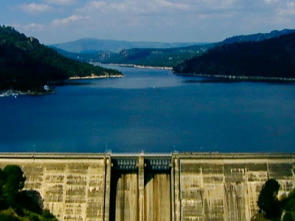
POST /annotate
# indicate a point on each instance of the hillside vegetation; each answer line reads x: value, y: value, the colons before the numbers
x: 157, y: 57
x: 171, y: 57
x: 167, y: 57
x: 92, y: 45
x: 17, y: 204
x: 257, y: 37
x: 148, y: 53
x: 272, y: 58
x: 25, y: 64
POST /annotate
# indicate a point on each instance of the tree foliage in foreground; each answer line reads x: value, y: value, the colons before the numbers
x: 272, y: 207
x: 268, y: 201
x: 17, y: 204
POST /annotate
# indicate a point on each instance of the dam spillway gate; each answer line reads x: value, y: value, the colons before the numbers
x: 152, y: 187
x: 141, y: 188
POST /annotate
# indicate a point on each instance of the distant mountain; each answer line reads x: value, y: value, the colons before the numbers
x: 92, y: 45
x: 25, y: 64
x: 157, y: 57
x: 272, y: 58
x: 95, y: 56
x: 167, y: 57
x: 94, y: 50
x: 170, y: 57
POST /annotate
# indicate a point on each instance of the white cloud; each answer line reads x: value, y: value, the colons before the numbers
x: 168, y: 4
x: 285, y: 14
x: 95, y: 4
x: 270, y: 1
x: 61, y: 2
x: 134, y: 6
x: 32, y: 26
x: 173, y: 20
x: 69, y: 20
x: 163, y: 7
x: 290, y: 8
x: 200, y: 5
x: 36, y: 8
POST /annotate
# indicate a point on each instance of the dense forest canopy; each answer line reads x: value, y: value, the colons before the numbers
x: 269, y: 58
x: 25, y: 64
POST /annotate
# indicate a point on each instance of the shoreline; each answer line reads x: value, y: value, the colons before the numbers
x: 16, y: 93
x: 139, y: 66
x: 241, y: 77
x: 50, y: 90
x: 153, y: 67
x: 95, y: 77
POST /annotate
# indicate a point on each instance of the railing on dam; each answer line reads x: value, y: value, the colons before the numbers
x: 151, y: 162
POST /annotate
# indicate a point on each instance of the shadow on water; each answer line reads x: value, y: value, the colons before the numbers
x: 211, y: 80
x: 73, y: 83
x: 227, y: 81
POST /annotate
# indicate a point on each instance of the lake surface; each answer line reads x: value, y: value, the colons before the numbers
x: 152, y: 111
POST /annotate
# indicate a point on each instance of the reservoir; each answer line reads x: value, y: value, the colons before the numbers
x: 152, y: 110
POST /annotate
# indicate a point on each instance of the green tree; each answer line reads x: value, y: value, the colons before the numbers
x: 288, y: 206
x: 288, y: 217
x: 8, y: 218
x: 15, y: 181
x: 2, y: 183
x: 268, y: 201
x: 20, y: 204
x: 289, y: 203
x: 31, y: 200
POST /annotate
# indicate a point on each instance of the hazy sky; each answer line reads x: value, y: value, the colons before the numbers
x: 54, y: 21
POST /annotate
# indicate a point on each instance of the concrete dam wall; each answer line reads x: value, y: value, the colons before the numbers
x: 146, y: 187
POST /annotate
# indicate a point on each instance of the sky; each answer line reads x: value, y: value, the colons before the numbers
x: 56, y: 21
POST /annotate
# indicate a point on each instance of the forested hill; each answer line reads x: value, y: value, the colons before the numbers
x: 168, y: 57
x: 25, y: 64
x: 91, y: 50
x: 164, y: 57
x: 274, y: 57
x: 89, y: 45
x: 257, y: 37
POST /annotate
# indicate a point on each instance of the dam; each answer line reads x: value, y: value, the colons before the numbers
x: 152, y: 187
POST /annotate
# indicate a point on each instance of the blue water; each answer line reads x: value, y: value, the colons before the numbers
x: 152, y: 111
